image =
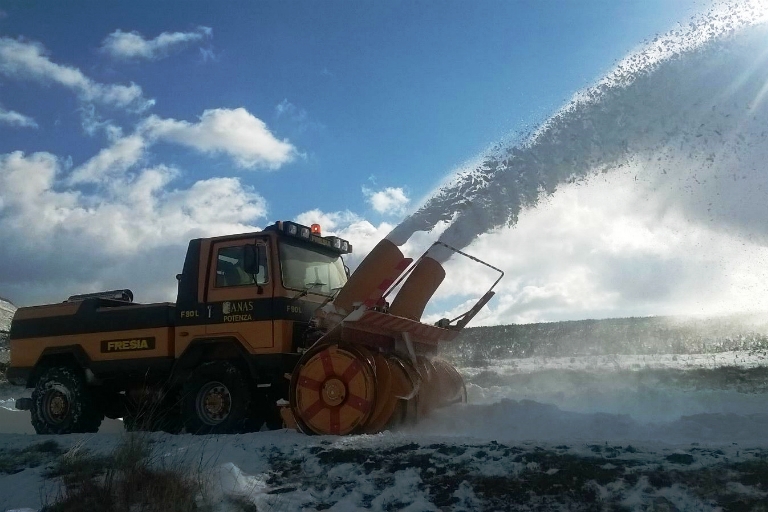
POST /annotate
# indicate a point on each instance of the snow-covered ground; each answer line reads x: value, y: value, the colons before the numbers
x: 683, y: 432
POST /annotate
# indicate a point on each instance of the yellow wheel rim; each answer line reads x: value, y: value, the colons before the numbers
x: 386, y: 401
x: 335, y: 391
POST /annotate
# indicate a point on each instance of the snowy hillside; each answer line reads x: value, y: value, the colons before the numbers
x: 6, y: 313
x: 643, y: 335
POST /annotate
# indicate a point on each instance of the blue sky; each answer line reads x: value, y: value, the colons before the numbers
x: 378, y: 94
x: 127, y: 128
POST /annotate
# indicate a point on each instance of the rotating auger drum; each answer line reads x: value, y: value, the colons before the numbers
x: 376, y: 365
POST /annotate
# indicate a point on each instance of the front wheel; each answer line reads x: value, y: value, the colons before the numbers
x: 216, y: 399
x: 63, y: 404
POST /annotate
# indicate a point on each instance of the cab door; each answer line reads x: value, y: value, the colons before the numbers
x: 240, y: 292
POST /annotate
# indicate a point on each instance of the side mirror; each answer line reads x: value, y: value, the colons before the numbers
x: 253, y: 255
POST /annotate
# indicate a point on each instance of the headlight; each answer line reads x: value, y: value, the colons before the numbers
x: 293, y: 229
x: 345, y: 246
x: 304, y: 232
x: 337, y: 243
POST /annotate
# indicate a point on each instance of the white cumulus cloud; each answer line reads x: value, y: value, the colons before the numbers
x: 123, y: 154
x: 27, y: 60
x: 12, y: 118
x: 329, y: 221
x: 389, y: 201
x: 129, y: 232
x: 234, y: 132
x: 132, y: 45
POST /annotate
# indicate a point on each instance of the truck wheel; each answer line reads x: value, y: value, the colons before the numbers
x: 215, y: 399
x: 63, y: 404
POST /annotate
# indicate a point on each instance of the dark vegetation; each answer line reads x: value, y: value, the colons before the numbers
x: 732, y: 378
x: 130, y: 479
x: 501, y: 477
x: 485, y: 476
x: 14, y: 460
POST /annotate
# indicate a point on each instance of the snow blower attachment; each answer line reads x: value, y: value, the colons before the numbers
x: 376, y: 364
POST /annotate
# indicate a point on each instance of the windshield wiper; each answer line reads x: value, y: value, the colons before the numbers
x: 306, y: 290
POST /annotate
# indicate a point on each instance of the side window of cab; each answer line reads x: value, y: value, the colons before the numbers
x: 241, y: 265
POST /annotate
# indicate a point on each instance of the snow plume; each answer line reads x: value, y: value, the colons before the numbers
x: 688, y: 108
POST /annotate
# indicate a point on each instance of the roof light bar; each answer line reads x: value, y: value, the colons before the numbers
x: 312, y: 234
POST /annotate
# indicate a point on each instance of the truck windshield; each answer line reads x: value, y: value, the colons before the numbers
x: 308, y: 268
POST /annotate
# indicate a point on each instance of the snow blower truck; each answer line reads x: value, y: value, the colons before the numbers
x: 268, y: 328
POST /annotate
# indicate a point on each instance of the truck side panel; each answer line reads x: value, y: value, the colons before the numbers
x: 98, y: 347
x: 89, y: 316
x: 101, y: 331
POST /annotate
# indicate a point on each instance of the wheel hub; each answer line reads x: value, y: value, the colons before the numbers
x: 334, y: 392
x: 57, y: 406
x: 214, y: 404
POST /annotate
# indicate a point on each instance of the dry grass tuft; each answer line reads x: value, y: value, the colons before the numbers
x: 128, y: 480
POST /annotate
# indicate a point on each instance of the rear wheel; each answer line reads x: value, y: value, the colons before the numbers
x: 63, y: 404
x: 215, y: 399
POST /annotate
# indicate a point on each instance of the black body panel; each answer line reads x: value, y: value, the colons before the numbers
x: 257, y: 309
x: 18, y: 376
x: 96, y: 315
x: 188, y: 279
